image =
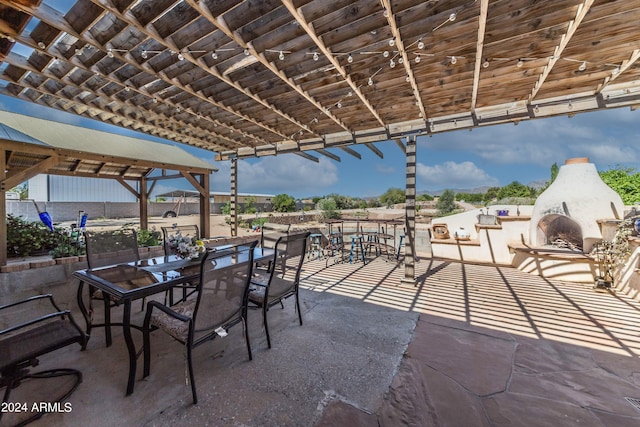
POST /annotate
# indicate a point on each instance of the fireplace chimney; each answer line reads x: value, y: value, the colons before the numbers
x: 572, y: 206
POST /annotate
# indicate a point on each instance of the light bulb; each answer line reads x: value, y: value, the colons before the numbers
x: 349, y: 59
x: 453, y: 17
x: 41, y: 45
x: 155, y: 100
x: 110, y: 53
x: 385, y: 12
x: 127, y: 88
x: 370, y: 82
x: 454, y: 60
x: 350, y: 93
x: 339, y: 104
x: 246, y: 52
x: 180, y: 57
x: 520, y: 63
x: 392, y: 64
x: 417, y: 59
x: 485, y: 64
x: 281, y: 56
x: 392, y: 42
x: 616, y: 71
x: 385, y: 53
x: 144, y: 54
x: 420, y: 44
x: 407, y: 79
x: 536, y: 109
x: 214, y: 55
x: 315, y: 56
x: 400, y: 60
x: 78, y: 52
x: 583, y: 66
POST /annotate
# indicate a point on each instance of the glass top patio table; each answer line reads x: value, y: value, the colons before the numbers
x: 139, y: 279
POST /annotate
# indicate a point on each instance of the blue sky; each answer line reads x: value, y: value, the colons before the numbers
x: 489, y: 156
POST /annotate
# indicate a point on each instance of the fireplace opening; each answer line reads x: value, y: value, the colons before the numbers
x: 560, y: 231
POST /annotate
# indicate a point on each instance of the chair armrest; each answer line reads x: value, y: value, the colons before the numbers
x: 167, y: 310
x: 29, y: 300
x: 34, y: 321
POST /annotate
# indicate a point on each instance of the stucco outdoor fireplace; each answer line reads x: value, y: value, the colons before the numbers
x: 567, y: 214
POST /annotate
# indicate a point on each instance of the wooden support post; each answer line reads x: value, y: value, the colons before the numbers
x: 205, y: 206
x: 410, y: 213
x: 3, y: 209
x: 144, y: 204
x: 234, y: 197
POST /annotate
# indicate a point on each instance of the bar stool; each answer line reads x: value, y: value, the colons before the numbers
x: 357, y: 247
x: 315, y: 246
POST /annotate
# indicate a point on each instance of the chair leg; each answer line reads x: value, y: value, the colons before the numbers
x: 191, y: 376
x: 246, y: 335
x: 107, y: 319
x: 146, y: 343
x: 266, y: 324
x: 298, y: 308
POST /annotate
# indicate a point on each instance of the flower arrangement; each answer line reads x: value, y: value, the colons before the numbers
x: 186, y: 247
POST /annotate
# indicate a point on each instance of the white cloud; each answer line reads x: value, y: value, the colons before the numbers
x: 453, y: 175
x: 289, y: 174
x: 385, y: 169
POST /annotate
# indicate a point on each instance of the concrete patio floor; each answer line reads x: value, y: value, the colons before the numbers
x: 469, y: 345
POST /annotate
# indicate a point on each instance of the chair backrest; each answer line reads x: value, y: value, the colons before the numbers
x: 223, y: 289
x: 184, y: 230
x: 271, y: 232
x: 111, y: 247
x: 287, y: 263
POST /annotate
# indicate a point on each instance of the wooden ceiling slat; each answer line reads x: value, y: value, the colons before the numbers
x: 219, y: 99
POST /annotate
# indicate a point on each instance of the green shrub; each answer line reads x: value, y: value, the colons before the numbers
x: 26, y: 238
x: 149, y: 237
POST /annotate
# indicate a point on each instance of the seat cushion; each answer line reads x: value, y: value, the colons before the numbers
x: 175, y: 327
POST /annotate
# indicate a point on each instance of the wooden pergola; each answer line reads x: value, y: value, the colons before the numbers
x: 250, y: 78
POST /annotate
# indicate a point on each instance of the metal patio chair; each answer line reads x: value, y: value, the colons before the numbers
x: 269, y: 288
x: 108, y: 248
x: 221, y: 303
x: 32, y: 328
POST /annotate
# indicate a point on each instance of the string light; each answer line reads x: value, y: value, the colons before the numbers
x: 417, y: 59
x: 281, y: 56
x: 315, y: 56
x: 453, y: 17
x: 485, y: 64
x: 536, y: 109
x: 110, y: 53
x: 520, y: 63
x: 392, y: 63
x: 583, y: 66
x: 349, y: 59
x: 370, y: 81
x: 246, y: 52
x: 144, y: 54
x: 214, y: 55
x: 180, y: 57
x: 392, y: 42
x: 420, y: 44
x: 385, y: 53
x: 453, y: 60
x: 41, y: 45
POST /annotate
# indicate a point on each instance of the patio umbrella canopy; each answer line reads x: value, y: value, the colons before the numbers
x: 252, y: 78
